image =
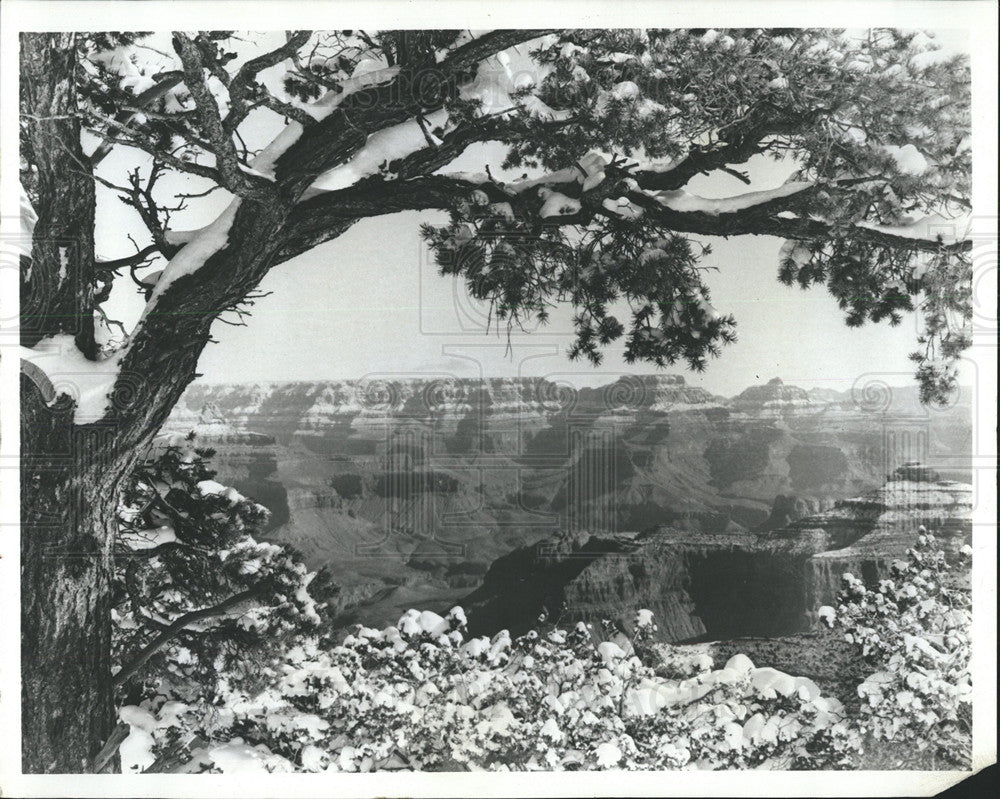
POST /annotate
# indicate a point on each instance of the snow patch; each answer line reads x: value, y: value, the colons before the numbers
x: 63, y: 264
x: 88, y: 383
x: 931, y: 227
x: 200, y: 247
x: 626, y: 90
x: 149, y: 539
x: 680, y: 200
x: 909, y: 160
x: 382, y: 148
x: 557, y: 204
x: 795, y: 251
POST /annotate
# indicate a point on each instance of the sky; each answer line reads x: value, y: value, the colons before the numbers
x: 372, y: 303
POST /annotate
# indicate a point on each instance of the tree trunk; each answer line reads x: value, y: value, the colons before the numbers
x: 67, y: 516
x: 69, y: 473
x: 57, y: 285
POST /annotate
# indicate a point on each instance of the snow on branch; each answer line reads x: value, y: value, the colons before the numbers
x: 680, y: 200
x: 69, y: 373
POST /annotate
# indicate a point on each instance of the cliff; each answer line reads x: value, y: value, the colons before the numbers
x: 699, y: 586
x: 867, y: 533
x: 721, y: 586
x: 417, y: 486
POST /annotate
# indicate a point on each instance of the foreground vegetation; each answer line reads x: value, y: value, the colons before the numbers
x: 258, y: 685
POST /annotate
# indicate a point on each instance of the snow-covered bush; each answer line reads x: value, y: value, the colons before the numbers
x: 420, y: 695
x: 195, y: 592
x: 914, y: 627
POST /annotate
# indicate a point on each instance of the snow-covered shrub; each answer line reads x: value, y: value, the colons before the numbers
x: 420, y: 695
x: 914, y: 629
x: 196, y: 593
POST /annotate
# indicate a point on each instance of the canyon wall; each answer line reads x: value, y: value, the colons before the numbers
x: 408, y: 490
x: 703, y: 586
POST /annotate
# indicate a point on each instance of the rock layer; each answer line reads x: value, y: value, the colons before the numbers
x: 418, y: 485
x: 718, y: 587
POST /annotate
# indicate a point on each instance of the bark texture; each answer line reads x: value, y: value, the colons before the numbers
x: 57, y: 293
x: 66, y: 533
x: 67, y: 474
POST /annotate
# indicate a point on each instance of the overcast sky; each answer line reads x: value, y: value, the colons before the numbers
x: 372, y: 302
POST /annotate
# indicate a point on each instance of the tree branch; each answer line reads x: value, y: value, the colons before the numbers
x: 218, y: 134
x: 739, y: 141
x: 244, y: 86
x: 471, y: 53
x: 132, y: 260
x: 140, y: 143
x: 165, y: 82
x: 178, y: 626
x: 324, y: 217
x: 103, y: 758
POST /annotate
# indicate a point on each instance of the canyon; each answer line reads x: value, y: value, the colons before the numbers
x: 518, y: 497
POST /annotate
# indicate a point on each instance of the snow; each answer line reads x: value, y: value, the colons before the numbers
x: 504, y: 74
x: 567, y: 175
x: 366, y: 66
x: 593, y: 163
x: 497, y: 719
x: 238, y: 757
x: 608, y: 755
x: 610, y: 651
x: 201, y: 246
x: 929, y: 58
x: 381, y: 148
x: 504, y: 210
x: 680, y: 200
x: 928, y: 227
x: 470, y: 177
x: 550, y: 730
x: 557, y: 204
x: 769, y: 682
x: 213, y: 488
x: 569, y: 49
x: 592, y: 181
x: 138, y: 717
x: 741, y: 663
x: 89, y: 383
x: 149, y: 539
x: 538, y: 108
x: 909, y: 160
x: 626, y: 90
x: 415, y: 622
x: 795, y: 251
x: 136, y: 751
x: 118, y: 61
x: 28, y: 220
x: 622, y: 207
x: 313, y: 758
x: 364, y: 78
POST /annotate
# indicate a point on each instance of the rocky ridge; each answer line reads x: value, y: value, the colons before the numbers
x: 408, y: 490
x: 722, y: 586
